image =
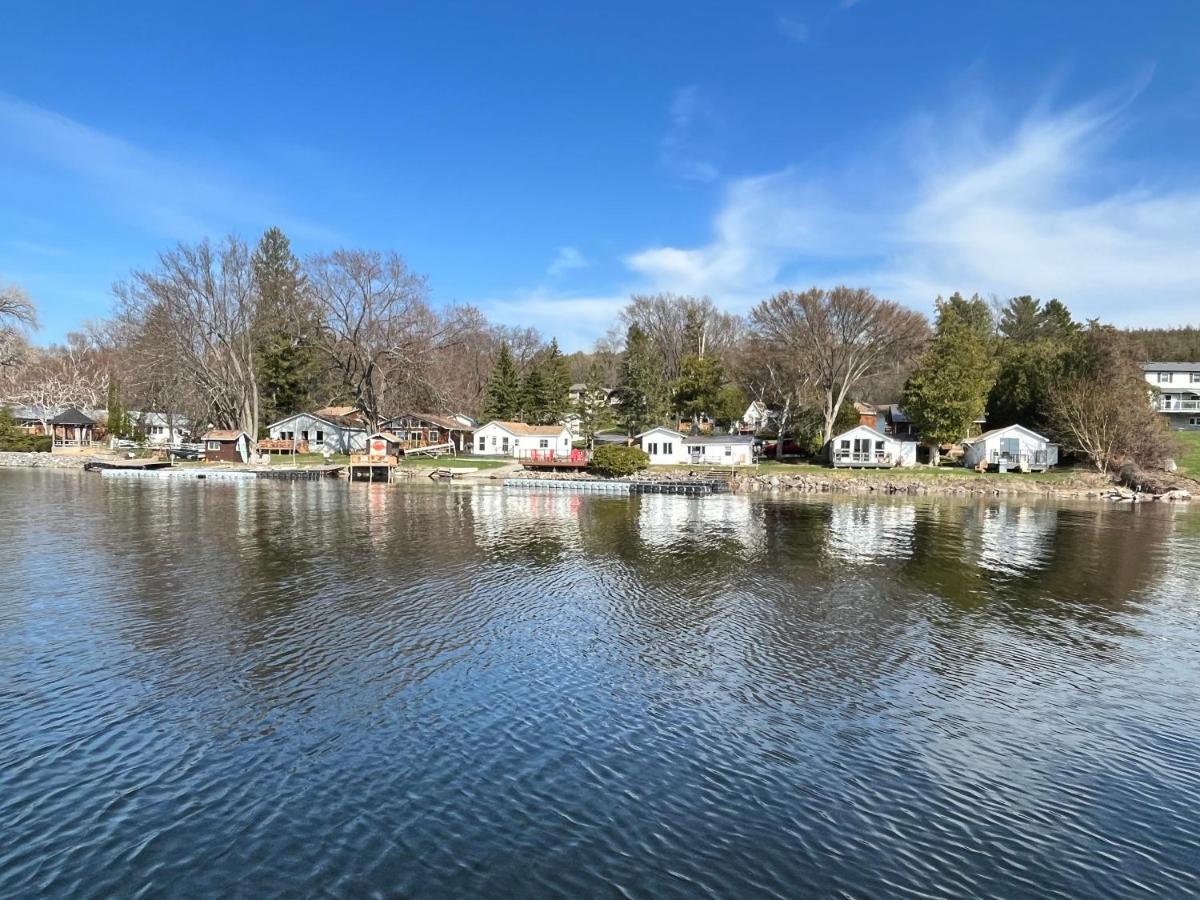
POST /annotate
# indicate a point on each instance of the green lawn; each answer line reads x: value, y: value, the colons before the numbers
x: 1189, y: 459
x: 772, y: 467
x: 453, y: 462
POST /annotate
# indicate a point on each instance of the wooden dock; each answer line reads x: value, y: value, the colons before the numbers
x: 99, y: 465
x: 307, y: 473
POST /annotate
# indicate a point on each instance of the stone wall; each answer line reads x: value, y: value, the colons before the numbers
x: 41, y: 461
x: 831, y: 482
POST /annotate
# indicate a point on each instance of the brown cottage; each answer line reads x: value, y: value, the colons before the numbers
x: 226, y: 446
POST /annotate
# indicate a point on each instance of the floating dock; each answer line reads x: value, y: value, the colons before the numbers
x: 692, y: 487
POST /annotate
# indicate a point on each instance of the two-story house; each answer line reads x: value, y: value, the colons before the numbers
x: 1178, y: 399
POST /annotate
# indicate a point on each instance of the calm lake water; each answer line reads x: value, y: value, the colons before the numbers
x: 268, y: 689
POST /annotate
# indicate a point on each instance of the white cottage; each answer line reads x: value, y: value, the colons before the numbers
x: 337, y: 429
x: 719, y: 449
x: 518, y: 440
x: 161, y: 429
x: 866, y: 447
x: 1012, y: 447
x: 663, y: 445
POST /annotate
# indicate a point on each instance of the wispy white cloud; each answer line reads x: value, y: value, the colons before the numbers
x: 793, y: 28
x: 1042, y: 206
x: 693, y: 122
x: 153, y: 191
x: 568, y: 259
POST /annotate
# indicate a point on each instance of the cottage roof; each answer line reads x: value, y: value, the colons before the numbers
x: 219, y: 435
x: 72, y: 416
x: 22, y: 411
x: 521, y: 428
x: 387, y: 436
x: 349, y: 422
x: 874, y: 431
x: 449, y: 423
x: 996, y: 432
x: 669, y: 430
x: 717, y: 438
x: 864, y: 409
x: 1171, y: 367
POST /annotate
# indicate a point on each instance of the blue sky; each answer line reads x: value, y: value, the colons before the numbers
x: 545, y: 164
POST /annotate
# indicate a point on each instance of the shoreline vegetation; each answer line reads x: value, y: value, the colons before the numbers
x: 770, y: 478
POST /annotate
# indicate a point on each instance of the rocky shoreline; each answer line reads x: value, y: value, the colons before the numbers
x: 1077, y: 485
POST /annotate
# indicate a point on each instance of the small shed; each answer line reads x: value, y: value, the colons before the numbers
x: 1011, y: 447
x: 866, y: 447
x: 383, y: 445
x: 72, y: 430
x: 226, y: 446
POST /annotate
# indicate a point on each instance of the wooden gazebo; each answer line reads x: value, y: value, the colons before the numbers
x: 72, y: 431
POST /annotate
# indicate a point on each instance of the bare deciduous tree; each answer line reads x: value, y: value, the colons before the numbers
x: 681, y: 326
x: 18, y: 316
x: 378, y: 332
x: 200, y: 306
x: 840, y: 337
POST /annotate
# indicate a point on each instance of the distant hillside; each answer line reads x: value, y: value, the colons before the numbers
x: 1168, y: 344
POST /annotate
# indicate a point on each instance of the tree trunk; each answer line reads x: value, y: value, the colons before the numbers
x: 935, y: 454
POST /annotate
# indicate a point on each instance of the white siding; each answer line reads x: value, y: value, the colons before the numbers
x: 891, y: 448
x: 663, y: 446
x: 715, y: 453
x: 1030, y: 444
x: 321, y: 435
x: 493, y: 439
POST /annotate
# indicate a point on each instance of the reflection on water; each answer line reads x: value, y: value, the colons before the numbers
x: 283, y: 689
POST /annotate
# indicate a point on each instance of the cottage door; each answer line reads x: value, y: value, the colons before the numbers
x: 862, y: 449
x: 1010, y: 449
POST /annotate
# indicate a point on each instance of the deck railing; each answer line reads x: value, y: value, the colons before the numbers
x: 869, y: 457
x: 1170, y: 404
x: 71, y: 442
x: 575, y: 456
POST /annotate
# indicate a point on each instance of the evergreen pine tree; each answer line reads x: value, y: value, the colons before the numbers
x: 640, y: 391
x: 949, y: 387
x: 287, y: 320
x: 503, y: 398
x: 118, y: 425
x: 534, y: 399
x: 556, y: 385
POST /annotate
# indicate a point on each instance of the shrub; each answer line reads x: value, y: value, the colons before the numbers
x: 616, y: 461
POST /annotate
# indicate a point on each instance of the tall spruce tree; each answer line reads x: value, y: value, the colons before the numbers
x: 285, y: 351
x: 503, y: 398
x: 949, y: 387
x: 556, y: 384
x: 640, y: 391
x: 534, y: 400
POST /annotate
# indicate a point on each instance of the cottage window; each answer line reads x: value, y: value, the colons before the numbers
x: 728, y: 450
x: 433, y: 435
x: 304, y: 435
x: 1164, y: 377
x: 214, y: 445
x: 846, y: 444
x: 482, y: 444
x: 544, y: 444
x: 652, y: 449
x: 1196, y: 378
x: 667, y: 447
x: 320, y: 436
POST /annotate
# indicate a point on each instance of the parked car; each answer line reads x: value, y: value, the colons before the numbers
x: 790, y: 448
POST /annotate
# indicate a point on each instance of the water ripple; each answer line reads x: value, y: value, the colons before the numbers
x: 276, y: 690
